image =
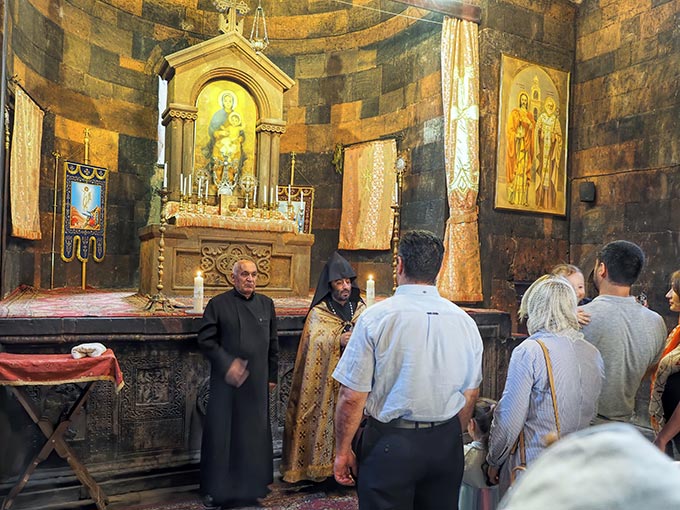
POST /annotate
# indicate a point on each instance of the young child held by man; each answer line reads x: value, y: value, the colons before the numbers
x: 475, y: 491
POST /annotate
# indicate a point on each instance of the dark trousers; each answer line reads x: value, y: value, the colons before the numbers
x: 410, y: 469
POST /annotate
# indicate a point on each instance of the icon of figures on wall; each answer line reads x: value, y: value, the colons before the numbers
x: 531, y: 158
x: 520, y: 152
x: 549, y: 136
x: 225, y: 133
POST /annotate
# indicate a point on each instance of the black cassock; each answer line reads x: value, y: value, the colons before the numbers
x: 236, y: 452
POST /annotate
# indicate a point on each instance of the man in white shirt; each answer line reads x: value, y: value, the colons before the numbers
x: 414, y: 363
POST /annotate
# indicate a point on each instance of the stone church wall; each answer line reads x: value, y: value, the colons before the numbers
x: 625, y: 136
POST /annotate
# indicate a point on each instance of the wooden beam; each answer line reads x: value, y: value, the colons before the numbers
x: 453, y: 8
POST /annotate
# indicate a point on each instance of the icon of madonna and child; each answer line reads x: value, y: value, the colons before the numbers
x: 227, y: 148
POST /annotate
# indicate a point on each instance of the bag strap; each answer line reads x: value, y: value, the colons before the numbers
x: 551, y: 381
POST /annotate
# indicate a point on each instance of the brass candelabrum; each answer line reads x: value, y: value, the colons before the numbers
x: 160, y: 300
x: 400, y: 167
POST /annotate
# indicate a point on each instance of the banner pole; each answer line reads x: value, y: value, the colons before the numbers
x: 54, y: 215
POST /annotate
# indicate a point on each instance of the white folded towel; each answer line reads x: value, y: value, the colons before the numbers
x: 93, y: 350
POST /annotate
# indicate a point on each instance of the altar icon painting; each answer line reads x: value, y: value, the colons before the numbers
x: 84, y: 211
x: 225, y: 135
x: 531, y: 163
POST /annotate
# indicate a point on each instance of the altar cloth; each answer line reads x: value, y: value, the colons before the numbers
x: 50, y: 369
x: 241, y: 219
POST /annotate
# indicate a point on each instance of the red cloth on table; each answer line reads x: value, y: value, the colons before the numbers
x: 42, y: 369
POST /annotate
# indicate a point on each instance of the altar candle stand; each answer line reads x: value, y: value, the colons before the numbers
x: 370, y: 291
x: 198, y: 293
x: 160, y: 300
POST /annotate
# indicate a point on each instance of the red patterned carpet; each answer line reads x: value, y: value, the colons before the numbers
x: 282, y: 497
x: 27, y: 301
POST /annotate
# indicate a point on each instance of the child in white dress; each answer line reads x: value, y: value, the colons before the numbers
x: 475, y: 492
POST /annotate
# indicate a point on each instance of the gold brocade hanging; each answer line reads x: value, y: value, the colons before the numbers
x: 25, y: 167
x: 460, y: 276
x: 368, y: 191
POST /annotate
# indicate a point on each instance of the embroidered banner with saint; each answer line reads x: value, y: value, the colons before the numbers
x: 368, y: 191
x: 84, y: 212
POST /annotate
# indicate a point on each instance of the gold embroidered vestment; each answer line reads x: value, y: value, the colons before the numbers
x: 308, y: 437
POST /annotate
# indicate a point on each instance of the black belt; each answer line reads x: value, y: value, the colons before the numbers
x: 401, y: 423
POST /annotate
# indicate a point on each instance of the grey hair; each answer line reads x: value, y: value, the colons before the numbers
x: 549, y: 304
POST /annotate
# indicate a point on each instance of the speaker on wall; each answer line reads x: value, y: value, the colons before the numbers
x: 586, y: 192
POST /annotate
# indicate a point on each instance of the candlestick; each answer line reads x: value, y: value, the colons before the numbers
x: 370, y: 291
x: 198, y: 293
x: 165, y: 175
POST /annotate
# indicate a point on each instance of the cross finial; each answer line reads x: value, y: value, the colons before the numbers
x: 235, y: 11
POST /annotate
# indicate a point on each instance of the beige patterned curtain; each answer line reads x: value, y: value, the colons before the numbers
x: 24, y: 170
x: 460, y: 277
x: 368, y: 191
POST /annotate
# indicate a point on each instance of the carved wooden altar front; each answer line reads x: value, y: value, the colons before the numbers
x: 282, y: 259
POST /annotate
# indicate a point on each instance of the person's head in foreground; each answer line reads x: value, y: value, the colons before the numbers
x: 606, y: 467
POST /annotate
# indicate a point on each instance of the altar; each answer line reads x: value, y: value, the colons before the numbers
x: 211, y: 243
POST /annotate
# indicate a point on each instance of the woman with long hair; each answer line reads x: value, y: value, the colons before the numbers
x: 665, y: 397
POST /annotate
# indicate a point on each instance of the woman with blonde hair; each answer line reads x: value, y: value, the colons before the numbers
x: 577, y: 280
x: 664, y: 410
x: 553, y: 383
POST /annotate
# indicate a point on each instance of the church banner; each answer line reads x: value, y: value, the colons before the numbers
x: 84, y: 212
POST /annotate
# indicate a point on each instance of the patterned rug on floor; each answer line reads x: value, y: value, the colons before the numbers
x: 282, y: 498
x: 26, y: 301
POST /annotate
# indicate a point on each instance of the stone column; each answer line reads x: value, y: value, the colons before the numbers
x: 179, y: 121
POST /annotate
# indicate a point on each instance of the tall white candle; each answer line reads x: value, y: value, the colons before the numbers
x: 370, y: 291
x: 165, y: 175
x: 181, y: 184
x: 200, y: 186
x: 274, y: 198
x: 198, y: 293
x: 190, y: 189
x: 265, y: 202
x: 207, y: 183
x: 255, y: 195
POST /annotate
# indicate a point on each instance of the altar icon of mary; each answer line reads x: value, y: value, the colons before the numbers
x: 227, y: 140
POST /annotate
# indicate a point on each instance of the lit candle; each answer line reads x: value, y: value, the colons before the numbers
x: 165, y: 175
x: 198, y: 293
x: 370, y: 291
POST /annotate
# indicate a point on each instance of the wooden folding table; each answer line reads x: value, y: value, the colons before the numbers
x: 17, y: 370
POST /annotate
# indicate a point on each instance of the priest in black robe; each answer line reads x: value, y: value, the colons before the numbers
x: 238, y: 335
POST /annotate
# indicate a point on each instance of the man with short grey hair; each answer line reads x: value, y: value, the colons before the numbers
x: 414, y: 363
x: 238, y: 336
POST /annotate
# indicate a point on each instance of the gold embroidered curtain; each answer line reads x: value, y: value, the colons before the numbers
x: 368, y: 191
x: 24, y: 171
x: 460, y: 276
